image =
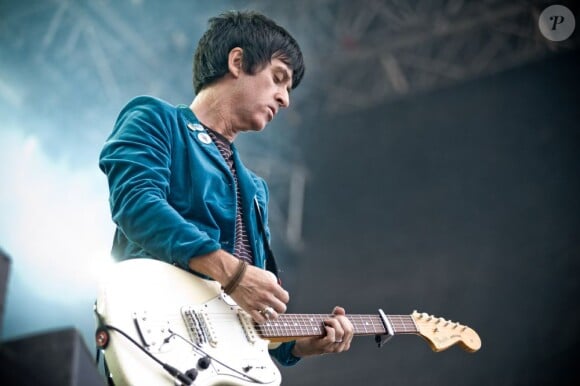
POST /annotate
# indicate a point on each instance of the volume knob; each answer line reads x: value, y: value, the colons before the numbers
x: 204, y: 362
x: 192, y: 374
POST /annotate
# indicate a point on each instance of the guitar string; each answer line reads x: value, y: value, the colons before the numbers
x: 300, y: 321
x: 303, y: 325
x: 310, y: 323
x: 300, y: 325
x: 309, y: 318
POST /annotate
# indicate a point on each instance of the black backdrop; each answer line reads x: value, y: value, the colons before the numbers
x: 466, y: 208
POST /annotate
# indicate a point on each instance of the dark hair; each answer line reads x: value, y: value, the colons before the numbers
x: 261, y: 39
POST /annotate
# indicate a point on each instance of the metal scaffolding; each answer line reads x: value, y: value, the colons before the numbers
x: 91, y: 56
x: 367, y: 52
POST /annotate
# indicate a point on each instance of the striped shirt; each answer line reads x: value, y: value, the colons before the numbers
x: 242, y: 248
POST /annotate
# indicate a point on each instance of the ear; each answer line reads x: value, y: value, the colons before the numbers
x: 235, y: 61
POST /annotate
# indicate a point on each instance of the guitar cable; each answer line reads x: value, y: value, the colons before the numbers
x: 195, y: 347
x: 102, y: 339
x: 102, y: 343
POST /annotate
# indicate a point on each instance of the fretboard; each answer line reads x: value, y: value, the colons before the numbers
x: 294, y: 326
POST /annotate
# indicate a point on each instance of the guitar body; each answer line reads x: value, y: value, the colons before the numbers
x: 189, y: 324
x: 180, y: 319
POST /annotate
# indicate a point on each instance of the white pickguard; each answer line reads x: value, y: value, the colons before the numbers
x: 152, y: 294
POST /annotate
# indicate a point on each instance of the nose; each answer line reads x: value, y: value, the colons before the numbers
x: 283, y: 97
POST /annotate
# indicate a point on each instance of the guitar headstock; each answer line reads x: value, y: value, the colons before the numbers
x: 442, y: 334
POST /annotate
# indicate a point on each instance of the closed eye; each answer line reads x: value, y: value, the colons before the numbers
x: 282, y: 77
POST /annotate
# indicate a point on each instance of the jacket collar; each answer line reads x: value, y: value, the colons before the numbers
x: 199, y: 134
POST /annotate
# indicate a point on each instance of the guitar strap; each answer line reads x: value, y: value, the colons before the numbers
x: 271, y: 264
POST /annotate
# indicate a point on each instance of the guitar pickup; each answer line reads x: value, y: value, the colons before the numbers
x: 199, y: 326
x: 248, y: 326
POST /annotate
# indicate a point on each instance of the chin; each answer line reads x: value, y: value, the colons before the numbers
x: 259, y: 126
x: 257, y: 123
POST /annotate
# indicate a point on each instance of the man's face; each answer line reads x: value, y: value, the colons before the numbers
x: 259, y: 97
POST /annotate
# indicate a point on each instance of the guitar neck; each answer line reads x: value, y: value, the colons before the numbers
x: 294, y: 326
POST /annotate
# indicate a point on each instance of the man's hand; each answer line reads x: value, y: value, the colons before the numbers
x: 257, y: 291
x: 339, y: 333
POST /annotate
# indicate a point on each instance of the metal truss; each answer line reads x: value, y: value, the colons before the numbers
x: 90, y: 56
x: 368, y: 52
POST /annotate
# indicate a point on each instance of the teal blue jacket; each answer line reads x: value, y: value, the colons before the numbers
x: 172, y: 195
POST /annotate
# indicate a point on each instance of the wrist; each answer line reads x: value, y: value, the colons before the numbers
x: 297, y: 350
x: 235, y: 280
x: 219, y: 265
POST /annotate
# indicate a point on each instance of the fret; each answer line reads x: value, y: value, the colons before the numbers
x: 306, y: 325
x: 367, y: 324
x: 402, y: 324
x: 292, y: 325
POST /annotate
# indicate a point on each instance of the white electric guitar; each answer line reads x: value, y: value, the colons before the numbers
x: 161, y: 325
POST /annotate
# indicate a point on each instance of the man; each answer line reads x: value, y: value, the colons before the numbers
x: 178, y: 189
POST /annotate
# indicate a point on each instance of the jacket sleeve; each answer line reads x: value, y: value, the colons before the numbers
x: 283, y: 354
x: 136, y: 159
